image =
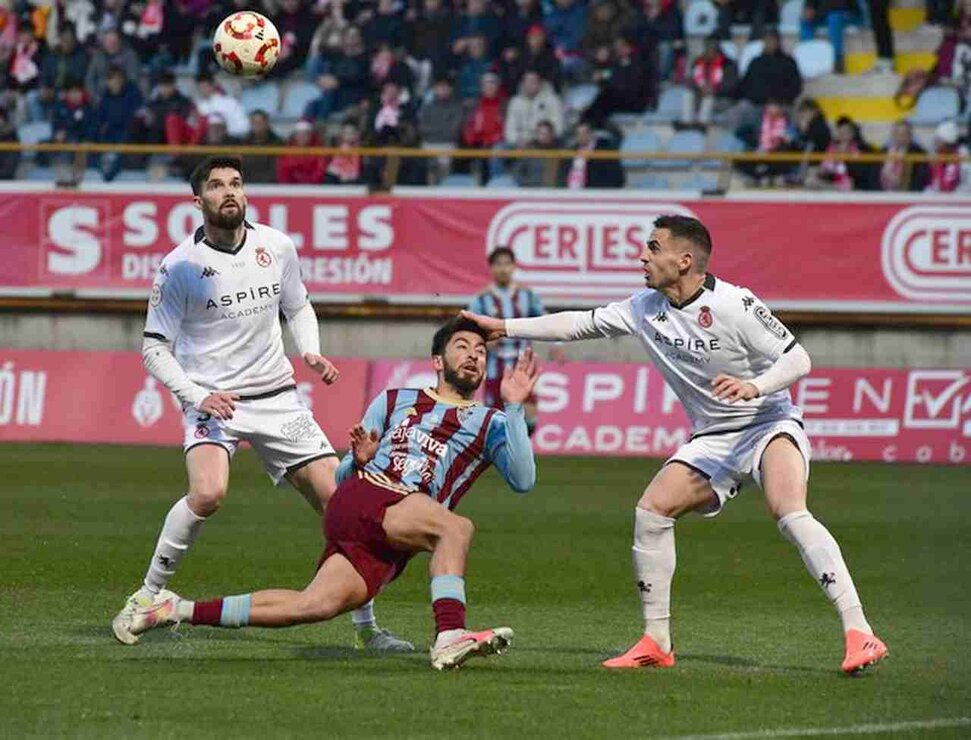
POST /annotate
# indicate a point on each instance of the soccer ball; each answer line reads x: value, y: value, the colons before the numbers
x: 246, y: 44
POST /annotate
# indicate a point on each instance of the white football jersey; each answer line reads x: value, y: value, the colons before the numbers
x: 721, y: 329
x: 221, y: 309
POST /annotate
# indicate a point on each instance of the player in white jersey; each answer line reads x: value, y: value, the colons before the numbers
x: 213, y: 337
x: 730, y: 362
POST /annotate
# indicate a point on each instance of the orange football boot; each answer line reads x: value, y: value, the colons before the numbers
x: 862, y: 650
x: 645, y: 654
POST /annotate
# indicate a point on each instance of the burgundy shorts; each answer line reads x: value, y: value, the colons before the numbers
x: 354, y: 527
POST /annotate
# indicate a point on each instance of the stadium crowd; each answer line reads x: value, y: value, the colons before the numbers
x: 468, y: 73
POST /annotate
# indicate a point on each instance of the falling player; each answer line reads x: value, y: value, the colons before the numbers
x: 414, y: 456
x: 213, y: 338
x: 730, y: 362
x: 507, y: 299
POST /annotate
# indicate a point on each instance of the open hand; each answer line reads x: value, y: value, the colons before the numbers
x: 518, y: 382
x: 495, y: 328
x: 364, y: 445
x: 727, y: 388
x: 326, y: 369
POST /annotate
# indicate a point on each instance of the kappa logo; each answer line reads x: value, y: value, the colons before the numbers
x: 661, y: 316
x: 770, y: 322
x: 209, y: 272
x: 747, y: 302
x: 827, y: 579
x: 263, y: 258
x: 926, y: 253
x: 705, y: 319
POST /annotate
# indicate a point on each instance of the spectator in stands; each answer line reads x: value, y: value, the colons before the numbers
x: 839, y: 168
x: 427, y: 35
x: 385, y: 26
x: 476, y: 63
x: 756, y: 13
x: 211, y: 99
x: 536, y: 101
x: 391, y: 111
x: 664, y: 23
x: 23, y: 71
x: 114, y: 118
x: 772, y: 135
x: 295, y: 23
x: 944, y: 176
x: 538, y: 172
x: 713, y: 81
x: 953, y: 64
x: 74, y: 122
x: 260, y: 168
x: 882, y: 34
x: 811, y: 130
x: 582, y: 172
x: 9, y: 161
x: 832, y: 13
x: 302, y: 169
x: 113, y: 53
x: 66, y: 59
x: 326, y: 42
x: 537, y: 54
x: 388, y: 65
x: 410, y: 170
x: 484, y: 127
x: 346, y: 169
x: 772, y: 75
x: 165, y: 119
x: 440, y: 119
x: 477, y: 21
x: 146, y: 35
x: 608, y: 19
x: 343, y: 80
x: 519, y: 19
x: 628, y: 86
x: 897, y: 175
x: 565, y: 23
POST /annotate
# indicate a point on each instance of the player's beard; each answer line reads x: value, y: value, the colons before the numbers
x: 220, y: 219
x: 464, y: 385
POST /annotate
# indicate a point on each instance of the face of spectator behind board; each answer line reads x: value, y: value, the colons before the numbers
x: 115, y: 81
x: 901, y: 135
x: 259, y: 125
x: 490, y: 85
x: 532, y: 83
x: 771, y: 44
x: 584, y: 135
x: 545, y: 136
x: 111, y: 42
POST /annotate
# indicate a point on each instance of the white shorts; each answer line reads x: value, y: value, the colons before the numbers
x: 727, y: 459
x: 279, y: 426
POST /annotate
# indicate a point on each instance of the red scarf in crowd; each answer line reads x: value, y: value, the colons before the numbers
x: 708, y: 72
x: 773, y: 132
x: 945, y: 176
x: 836, y: 168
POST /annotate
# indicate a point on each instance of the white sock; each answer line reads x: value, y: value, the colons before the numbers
x: 179, y: 531
x: 363, y: 616
x: 654, y: 561
x: 825, y: 563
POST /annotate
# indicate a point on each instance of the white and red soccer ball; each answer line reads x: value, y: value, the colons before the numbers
x: 246, y: 44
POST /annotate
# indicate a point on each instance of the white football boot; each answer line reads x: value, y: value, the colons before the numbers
x: 122, y: 623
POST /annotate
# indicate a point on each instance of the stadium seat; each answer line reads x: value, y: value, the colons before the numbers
x: 683, y: 142
x: 639, y: 141
x: 34, y: 133
x: 296, y: 97
x: 131, y: 176
x: 40, y: 174
x: 814, y: 58
x: 93, y: 174
x: 648, y: 181
x: 580, y: 97
x: 727, y: 143
x: 934, y: 105
x: 703, y: 181
x: 752, y: 49
x: 263, y: 96
x: 502, y: 181
x: 670, y: 106
x: 790, y: 14
x: 458, y: 181
x: 730, y: 50
x: 701, y: 18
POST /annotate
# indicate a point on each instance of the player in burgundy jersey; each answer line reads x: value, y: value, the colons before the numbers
x: 413, y: 457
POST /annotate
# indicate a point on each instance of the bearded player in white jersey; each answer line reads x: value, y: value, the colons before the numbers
x: 213, y: 338
x: 730, y: 362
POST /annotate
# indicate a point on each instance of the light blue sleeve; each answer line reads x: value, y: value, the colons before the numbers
x: 510, y: 450
x: 373, y: 419
x: 475, y: 305
x: 536, y: 307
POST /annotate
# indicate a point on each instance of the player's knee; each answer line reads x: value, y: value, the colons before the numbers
x: 461, y: 528
x: 317, y: 608
x: 660, y: 505
x: 207, y: 495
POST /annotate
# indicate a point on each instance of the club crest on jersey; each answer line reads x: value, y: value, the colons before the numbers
x: 465, y: 413
x: 263, y: 258
x: 705, y: 319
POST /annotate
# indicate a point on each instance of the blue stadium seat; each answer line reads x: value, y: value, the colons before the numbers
x: 648, y: 181
x: 814, y: 58
x: 683, y: 142
x: 458, y: 181
x: 580, y: 97
x: 40, y: 174
x: 296, y: 97
x: 35, y: 132
x: 934, y: 105
x: 502, y: 181
x: 670, y: 106
x: 790, y: 14
x: 131, y: 176
x: 263, y: 96
x: 639, y: 141
x: 730, y: 50
x: 752, y: 49
x: 701, y: 18
x: 703, y: 181
x: 727, y: 143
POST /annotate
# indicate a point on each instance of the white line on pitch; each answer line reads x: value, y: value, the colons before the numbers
x: 927, y: 724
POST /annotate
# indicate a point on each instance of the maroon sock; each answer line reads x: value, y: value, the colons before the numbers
x: 449, y: 614
x: 207, y: 612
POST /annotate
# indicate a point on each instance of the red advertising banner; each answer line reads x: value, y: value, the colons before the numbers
x: 804, y: 252
x: 614, y: 409
x: 49, y: 396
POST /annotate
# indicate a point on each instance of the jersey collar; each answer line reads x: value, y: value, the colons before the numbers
x: 461, y: 404
x: 709, y: 284
x: 200, y: 236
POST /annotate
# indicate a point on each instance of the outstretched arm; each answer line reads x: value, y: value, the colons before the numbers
x: 508, y: 442
x: 364, y: 438
x: 613, y: 320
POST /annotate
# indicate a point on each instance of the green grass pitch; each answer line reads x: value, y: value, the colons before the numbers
x: 758, y: 645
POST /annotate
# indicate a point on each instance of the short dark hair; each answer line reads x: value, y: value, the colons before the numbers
x: 165, y: 77
x: 498, y: 252
x: 201, y: 173
x: 452, y: 327
x: 690, y: 229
